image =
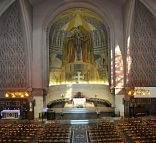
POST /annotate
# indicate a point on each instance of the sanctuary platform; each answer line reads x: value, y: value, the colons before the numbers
x: 82, y: 113
x: 64, y: 102
x: 69, y: 91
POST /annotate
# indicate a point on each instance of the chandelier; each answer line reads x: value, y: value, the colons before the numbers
x: 16, y: 94
x: 139, y: 91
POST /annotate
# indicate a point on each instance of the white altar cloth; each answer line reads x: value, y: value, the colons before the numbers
x: 10, y: 114
x: 79, y: 101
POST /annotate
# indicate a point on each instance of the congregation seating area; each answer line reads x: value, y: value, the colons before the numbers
x: 18, y: 132
x: 33, y: 132
x: 105, y: 132
x: 53, y: 133
x: 139, y: 130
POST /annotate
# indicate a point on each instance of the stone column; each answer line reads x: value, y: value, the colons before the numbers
x: 37, y: 94
x: 119, y: 105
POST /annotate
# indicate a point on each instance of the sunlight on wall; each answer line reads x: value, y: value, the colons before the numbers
x: 119, y: 70
x: 112, y: 69
x: 129, y: 59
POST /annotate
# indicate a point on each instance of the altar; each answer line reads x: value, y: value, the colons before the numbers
x: 10, y: 114
x: 79, y: 102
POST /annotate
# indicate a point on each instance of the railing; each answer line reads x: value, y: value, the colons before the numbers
x: 83, y: 110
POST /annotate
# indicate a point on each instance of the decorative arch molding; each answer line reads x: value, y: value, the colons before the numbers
x: 5, y: 5
x: 128, y: 34
x: 28, y: 38
x: 150, y: 5
x: 48, y: 22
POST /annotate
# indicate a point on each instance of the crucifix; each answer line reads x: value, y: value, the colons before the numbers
x: 79, y: 77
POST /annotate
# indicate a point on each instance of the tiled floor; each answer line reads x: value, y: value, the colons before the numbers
x: 79, y: 134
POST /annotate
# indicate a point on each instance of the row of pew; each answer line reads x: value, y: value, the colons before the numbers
x: 34, y: 132
x: 18, y: 132
x: 139, y: 130
x: 105, y: 132
x: 135, y: 130
x: 53, y: 133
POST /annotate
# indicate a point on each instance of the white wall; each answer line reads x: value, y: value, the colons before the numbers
x: 89, y: 91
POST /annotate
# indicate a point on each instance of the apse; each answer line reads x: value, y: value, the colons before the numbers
x: 78, y: 48
x: 78, y: 56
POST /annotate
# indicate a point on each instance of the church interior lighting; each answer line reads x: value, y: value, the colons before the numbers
x: 16, y: 94
x: 139, y: 91
x: 80, y: 82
